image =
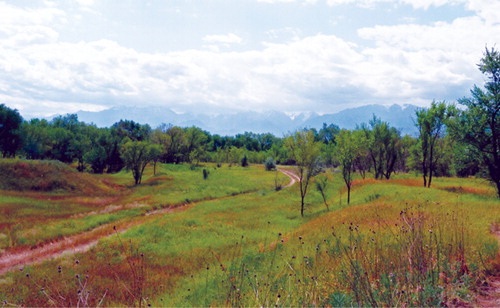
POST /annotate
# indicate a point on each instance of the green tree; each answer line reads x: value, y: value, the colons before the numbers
x: 479, y: 125
x: 36, y: 139
x: 136, y: 155
x: 178, y: 145
x: 321, y: 184
x: 96, y: 158
x: 384, y: 147
x: 328, y: 133
x: 132, y: 130
x: 431, y: 128
x: 404, y: 162
x: 160, y: 137
x: 305, y: 151
x: 349, y: 147
x: 10, y: 133
x: 196, y: 144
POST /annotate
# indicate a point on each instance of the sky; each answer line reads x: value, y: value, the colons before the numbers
x: 220, y: 56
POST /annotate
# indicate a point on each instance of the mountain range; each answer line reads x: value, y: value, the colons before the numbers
x: 275, y: 122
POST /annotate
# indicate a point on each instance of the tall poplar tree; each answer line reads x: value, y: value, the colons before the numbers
x: 479, y: 125
x: 305, y: 151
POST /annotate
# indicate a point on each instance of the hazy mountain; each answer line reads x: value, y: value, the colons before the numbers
x: 275, y: 122
x: 397, y: 116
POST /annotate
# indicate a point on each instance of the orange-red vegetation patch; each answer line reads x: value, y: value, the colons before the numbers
x: 365, y: 181
x: 468, y: 190
x: 112, y: 185
x: 405, y: 182
x: 145, y: 198
x: 159, y: 179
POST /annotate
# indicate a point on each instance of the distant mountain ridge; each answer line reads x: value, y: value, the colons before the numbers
x: 275, y: 122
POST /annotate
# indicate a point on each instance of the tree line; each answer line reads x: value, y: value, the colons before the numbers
x: 450, y: 141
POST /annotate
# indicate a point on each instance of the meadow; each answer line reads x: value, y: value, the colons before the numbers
x: 232, y: 239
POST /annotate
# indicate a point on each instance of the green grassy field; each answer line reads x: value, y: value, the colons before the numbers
x: 241, y: 243
x: 34, y: 217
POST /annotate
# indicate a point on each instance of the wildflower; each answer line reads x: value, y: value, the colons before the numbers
x: 77, y: 262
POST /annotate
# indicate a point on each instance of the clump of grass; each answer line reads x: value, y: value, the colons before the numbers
x: 413, y: 261
x: 413, y: 264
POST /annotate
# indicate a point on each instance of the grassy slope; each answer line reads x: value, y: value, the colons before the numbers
x: 46, y: 176
x: 173, y: 252
x: 83, y: 201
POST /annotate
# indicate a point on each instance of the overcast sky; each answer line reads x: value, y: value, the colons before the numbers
x: 228, y: 55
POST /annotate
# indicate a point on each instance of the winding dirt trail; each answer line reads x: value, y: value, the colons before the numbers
x: 16, y: 258
x: 293, y: 177
x: 489, y: 295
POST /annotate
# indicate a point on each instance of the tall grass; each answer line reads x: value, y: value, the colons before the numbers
x: 397, y: 244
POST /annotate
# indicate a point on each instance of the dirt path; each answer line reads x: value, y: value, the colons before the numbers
x: 13, y: 259
x: 489, y: 295
x: 293, y: 177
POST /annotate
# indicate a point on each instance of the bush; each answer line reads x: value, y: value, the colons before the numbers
x: 270, y: 164
x: 244, y: 161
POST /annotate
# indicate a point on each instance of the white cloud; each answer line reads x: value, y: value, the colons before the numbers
x: 417, y: 4
x: 410, y: 63
x: 86, y: 2
x: 486, y: 9
x: 276, y: 1
x: 230, y: 38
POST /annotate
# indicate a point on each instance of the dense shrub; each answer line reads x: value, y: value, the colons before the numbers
x: 270, y: 164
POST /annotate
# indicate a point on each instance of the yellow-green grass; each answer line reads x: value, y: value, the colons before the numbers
x: 237, y: 239
x: 31, y: 218
x: 446, y: 214
x: 177, y: 184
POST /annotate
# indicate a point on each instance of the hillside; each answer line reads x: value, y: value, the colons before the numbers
x: 46, y: 176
